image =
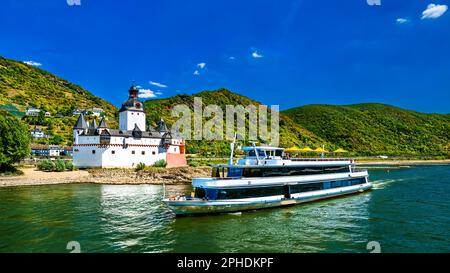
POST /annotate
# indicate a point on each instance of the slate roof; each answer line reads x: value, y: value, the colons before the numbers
x: 81, y: 123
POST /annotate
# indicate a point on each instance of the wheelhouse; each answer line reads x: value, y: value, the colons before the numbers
x: 262, y: 152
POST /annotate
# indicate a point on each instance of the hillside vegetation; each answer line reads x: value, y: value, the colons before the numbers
x: 362, y: 129
x: 23, y: 86
x: 290, y: 133
x: 375, y: 129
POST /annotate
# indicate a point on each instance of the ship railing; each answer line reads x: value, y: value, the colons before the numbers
x: 322, y: 159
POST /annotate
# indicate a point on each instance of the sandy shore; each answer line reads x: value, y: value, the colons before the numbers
x: 151, y: 176
x: 106, y: 176
x: 35, y: 177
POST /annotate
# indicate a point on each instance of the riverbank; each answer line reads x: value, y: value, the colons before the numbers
x: 157, y: 176
x: 170, y: 176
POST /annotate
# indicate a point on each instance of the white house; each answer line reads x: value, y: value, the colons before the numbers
x: 131, y: 144
x: 37, y: 133
x: 34, y: 112
x: 55, y: 150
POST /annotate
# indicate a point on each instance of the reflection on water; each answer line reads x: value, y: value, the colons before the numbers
x: 407, y: 212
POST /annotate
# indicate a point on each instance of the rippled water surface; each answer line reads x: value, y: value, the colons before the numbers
x: 408, y: 211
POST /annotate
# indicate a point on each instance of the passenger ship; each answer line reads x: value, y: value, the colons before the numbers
x: 265, y: 178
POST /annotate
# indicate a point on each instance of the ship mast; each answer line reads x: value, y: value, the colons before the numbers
x: 230, y: 161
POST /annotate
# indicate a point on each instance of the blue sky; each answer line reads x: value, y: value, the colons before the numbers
x: 288, y: 53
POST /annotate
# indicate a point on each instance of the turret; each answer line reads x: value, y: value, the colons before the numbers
x: 79, y: 128
x: 102, y: 126
x: 162, y: 128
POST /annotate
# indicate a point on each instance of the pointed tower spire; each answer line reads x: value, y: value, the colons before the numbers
x: 103, y: 123
x: 81, y: 123
x: 162, y: 128
x: 93, y: 124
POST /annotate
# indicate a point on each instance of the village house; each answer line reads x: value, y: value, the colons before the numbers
x: 37, y: 133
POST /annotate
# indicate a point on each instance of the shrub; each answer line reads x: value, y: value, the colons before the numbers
x: 10, y: 171
x: 140, y: 167
x: 46, y: 165
x: 69, y: 165
x: 193, y: 163
x: 60, y: 165
x: 160, y: 163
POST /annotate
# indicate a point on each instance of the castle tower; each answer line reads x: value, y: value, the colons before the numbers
x: 79, y: 128
x: 132, y: 112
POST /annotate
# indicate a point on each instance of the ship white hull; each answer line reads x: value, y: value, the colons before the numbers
x: 200, y: 206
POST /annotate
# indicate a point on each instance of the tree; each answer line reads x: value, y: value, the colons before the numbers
x: 14, y: 140
x: 56, y: 140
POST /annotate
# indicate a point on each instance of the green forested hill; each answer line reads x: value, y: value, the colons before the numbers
x: 363, y: 129
x: 290, y: 133
x: 22, y: 86
x: 374, y: 129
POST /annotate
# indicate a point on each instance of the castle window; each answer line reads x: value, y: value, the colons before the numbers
x: 175, y: 149
x: 93, y: 151
x: 143, y: 152
x: 113, y: 152
x: 153, y: 153
x: 133, y: 152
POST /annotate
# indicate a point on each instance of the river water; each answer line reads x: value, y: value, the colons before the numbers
x: 407, y: 211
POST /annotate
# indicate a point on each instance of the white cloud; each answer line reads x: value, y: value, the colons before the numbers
x: 158, y: 93
x: 402, y: 20
x: 256, y: 55
x: 158, y: 84
x: 232, y: 58
x: 196, y: 72
x: 146, y: 93
x: 201, y: 65
x: 434, y: 11
x: 32, y: 63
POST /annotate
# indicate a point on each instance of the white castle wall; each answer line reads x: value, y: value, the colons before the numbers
x: 127, y: 120
x: 83, y: 156
x: 118, y: 155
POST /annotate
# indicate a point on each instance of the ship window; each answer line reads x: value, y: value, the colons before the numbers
x: 199, y: 192
x: 306, y: 187
x: 279, y: 153
x: 234, y: 172
x: 289, y: 170
x: 250, y: 192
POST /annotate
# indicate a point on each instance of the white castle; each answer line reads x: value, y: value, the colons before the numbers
x: 131, y: 144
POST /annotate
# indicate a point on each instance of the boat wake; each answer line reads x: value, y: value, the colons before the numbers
x: 381, y: 184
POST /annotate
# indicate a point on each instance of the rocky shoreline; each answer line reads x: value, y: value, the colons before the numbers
x: 171, y: 176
